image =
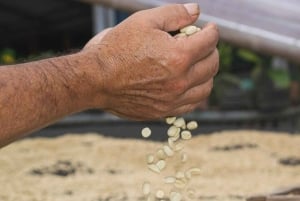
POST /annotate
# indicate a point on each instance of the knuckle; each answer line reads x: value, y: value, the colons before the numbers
x: 215, y: 30
x: 208, y: 88
x: 212, y: 34
x: 216, y: 54
x: 178, y: 87
x: 212, y: 64
x: 178, y: 60
x: 136, y: 16
x: 182, y: 86
x: 211, y: 84
x: 139, y: 14
x: 215, y: 61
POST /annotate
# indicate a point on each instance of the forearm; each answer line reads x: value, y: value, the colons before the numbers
x: 136, y: 71
x: 32, y: 95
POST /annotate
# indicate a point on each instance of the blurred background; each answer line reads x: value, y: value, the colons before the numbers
x: 252, y: 116
x: 258, y: 86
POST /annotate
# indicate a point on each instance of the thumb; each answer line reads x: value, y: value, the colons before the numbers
x: 174, y: 16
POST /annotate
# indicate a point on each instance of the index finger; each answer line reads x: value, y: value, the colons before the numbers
x: 200, y: 44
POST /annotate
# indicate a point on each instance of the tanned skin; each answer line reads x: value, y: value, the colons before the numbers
x: 135, y: 70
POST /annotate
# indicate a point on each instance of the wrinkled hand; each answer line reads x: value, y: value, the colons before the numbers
x: 145, y: 73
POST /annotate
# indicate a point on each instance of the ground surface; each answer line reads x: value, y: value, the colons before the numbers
x: 91, y: 167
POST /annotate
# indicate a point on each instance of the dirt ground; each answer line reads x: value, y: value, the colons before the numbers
x: 91, y: 167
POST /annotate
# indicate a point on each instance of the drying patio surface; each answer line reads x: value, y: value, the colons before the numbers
x: 90, y: 167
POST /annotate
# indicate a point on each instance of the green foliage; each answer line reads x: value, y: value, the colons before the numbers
x: 226, y: 57
x: 7, y: 56
x: 249, y: 56
x: 280, y: 78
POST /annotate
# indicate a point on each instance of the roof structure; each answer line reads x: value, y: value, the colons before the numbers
x: 267, y: 26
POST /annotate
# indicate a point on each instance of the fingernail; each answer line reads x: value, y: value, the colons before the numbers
x: 192, y: 8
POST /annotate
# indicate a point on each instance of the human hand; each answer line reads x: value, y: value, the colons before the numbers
x: 145, y: 73
x: 95, y: 41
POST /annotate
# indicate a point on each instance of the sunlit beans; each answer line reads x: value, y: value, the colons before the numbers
x: 180, y: 123
x: 175, y: 196
x: 168, y: 151
x: 191, y: 193
x: 170, y: 120
x: 192, y: 171
x: 161, y: 154
x: 146, y: 188
x: 160, y: 194
x: 183, y: 157
x: 150, y: 158
x: 192, y: 125
x: 189, y: 30
x: 169, y: 180
x: 173, y: 131
x: 154, y: 168
x: 186, y: 135
x: 161, y: 164
x: 146, y: 132
x: 178, y: 133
